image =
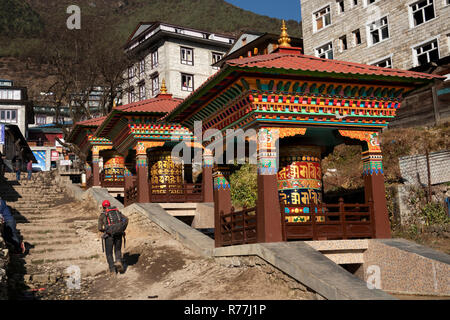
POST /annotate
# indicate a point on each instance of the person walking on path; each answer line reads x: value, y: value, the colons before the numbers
x: 17, y: 169
x: 29, y: 169
x: 10, y: 230
x: 113, y: 224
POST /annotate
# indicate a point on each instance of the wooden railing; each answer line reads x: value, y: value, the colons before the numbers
x: 174, y: 193
x: 329, y: 222
x: 131, y: 194
x: 112, y: 182
x: 237, y: 227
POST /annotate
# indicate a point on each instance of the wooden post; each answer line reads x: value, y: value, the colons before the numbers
x: 374, y: 189
x: 372, y: 217
x: 142, y: 178
x: 342, y: 218
x: 96, y: 170
x: 207, y: 176
x: 268, y: 203
x: 222, y: 200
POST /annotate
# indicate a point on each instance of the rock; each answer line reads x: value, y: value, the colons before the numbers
x: 40, y: 278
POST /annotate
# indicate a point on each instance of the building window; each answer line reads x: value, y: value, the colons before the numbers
x: 8, y: 94
x: 131, y: 95
x: 155, y: 85
x: 343, y: 43
x: 142, y: 67
x: 216, y: 57
x: 8, y: 116
x: 385, y: 63
x: 340, y: 6
x: 325, y: 52
x: 355, y: 3
x: 422, y: 11
x: 368, y: 2
x: 41, y: 119
x: 187, y: 82
x: 379, y: 31
x: 131, y: 73
x: 322, y: 18
x: 357, y: 37
x: 187, y: 56
x: 142, y: 95
x: 426, y: 53
x: 154, y: 59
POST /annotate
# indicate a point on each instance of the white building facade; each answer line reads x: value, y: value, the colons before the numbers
x: 181, y: 56
x: 400, y: 34
x: 15, y: 108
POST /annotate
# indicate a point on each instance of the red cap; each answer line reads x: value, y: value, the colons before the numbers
x: 106, y: 203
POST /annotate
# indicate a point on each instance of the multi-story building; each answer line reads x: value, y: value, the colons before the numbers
x: 14, y: 106
x: 400, y: 34
x: 183, y: 57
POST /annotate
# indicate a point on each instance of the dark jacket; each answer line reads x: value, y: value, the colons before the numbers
x: 4, y: 211
x: 102, y: 220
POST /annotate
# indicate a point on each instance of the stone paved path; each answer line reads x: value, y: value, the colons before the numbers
x: 61, y: 233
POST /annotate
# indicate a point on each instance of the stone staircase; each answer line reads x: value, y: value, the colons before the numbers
x: 47, y: 221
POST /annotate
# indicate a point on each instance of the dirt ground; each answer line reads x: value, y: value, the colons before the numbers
x: 157, y: 266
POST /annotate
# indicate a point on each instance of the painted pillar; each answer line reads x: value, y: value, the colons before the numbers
x: 268, y: 205
x: 300, y: 180
x: 222, y: 198
x: 374, y: 190
x: 142, y: 173
x: 96, y: 167
x: 128, y: 177
x: 207, y: 176
x: 88, y: 169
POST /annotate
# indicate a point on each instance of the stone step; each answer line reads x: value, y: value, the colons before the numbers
x: 54, y: 243
x: 49, y: 258
x: 48, y: 237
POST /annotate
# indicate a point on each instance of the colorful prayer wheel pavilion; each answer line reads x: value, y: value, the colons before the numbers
x: 306, y: 106
x: 300, y: 107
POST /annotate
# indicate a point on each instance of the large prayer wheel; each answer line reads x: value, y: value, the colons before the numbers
x: 166, y: 173
x: 113, y: 166
x: 300, y: 180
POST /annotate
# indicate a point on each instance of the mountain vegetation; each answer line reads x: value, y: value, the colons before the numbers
x: 35, y: 19
x: 18, y: 19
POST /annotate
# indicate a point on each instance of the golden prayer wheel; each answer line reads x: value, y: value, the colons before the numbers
x: 166, y: 173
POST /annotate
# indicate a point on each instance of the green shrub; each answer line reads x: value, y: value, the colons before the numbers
x: 244, y: 186
x: 434, y: 213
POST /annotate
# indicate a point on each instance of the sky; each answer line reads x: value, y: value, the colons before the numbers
x: 282, y: 9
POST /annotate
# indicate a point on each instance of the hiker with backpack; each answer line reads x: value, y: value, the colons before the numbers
x: 113, y: 224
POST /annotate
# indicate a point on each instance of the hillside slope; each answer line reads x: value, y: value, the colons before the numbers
x: 17, y: 18
x: 124, y: 15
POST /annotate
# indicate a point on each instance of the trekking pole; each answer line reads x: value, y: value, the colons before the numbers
x: 124, y: 240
